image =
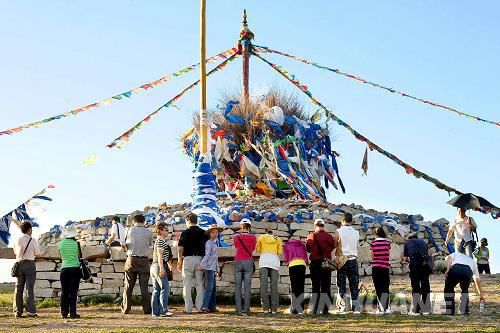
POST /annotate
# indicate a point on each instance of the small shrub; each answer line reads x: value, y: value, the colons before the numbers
x: 6, y: 301
x: 93, y: 300
x: 48, y: 303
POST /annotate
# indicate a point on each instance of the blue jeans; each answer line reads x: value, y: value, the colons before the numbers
x: 243, y: 271
x: 161, y: 291
x: 210, y: 291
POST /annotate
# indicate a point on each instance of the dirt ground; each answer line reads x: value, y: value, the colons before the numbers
x: 109, y: 319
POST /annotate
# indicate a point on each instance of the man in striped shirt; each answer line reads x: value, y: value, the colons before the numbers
x: 381, y: 248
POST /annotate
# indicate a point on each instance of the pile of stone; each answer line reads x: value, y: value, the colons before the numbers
x: 287, y: 219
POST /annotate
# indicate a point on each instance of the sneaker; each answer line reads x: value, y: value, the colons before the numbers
x: 426, y: 313
x: 379, y: 312
x: 274, y: 312
x: 388, y: 311
x: 167, y: 314
x: 31, y: 315
x: 300, y: 313
x: 18, y: 316
x: 74, y: 316
x: 411, y: 313
x: 357, y: 312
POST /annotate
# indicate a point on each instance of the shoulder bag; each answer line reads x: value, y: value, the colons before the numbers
x: 427, y: 261
x: 85, y: 273
x: 334, y: 264
x: 248, y: 252
x: 14, y: 272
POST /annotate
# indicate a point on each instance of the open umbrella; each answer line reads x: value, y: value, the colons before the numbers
x: 470, y: 201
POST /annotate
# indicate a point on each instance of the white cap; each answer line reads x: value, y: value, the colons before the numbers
x: 319, y: 222
x: 245, y: 221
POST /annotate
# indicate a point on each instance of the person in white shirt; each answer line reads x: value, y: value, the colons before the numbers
x: 461, y: 228
x: 461, y: 269
x: 117, y: 233
x: 26, y: 249
x: 349, y: 238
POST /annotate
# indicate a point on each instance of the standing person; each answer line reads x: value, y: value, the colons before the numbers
x: 244, y: 244
x: 270, y: 248
x: 349, y: 239
x: 461, y: 269
x: 117, y: 233
x: 191, y: 252
x: 69, y: 249
x: 162, y: 257
x: 320, y: 245
x: 295, y: 255
x: 26, y: 248
x: 462, y: 227
x: 137, y: 242
x: 381, y: 248
x: 483, y: 257
x: 415, y: 250
x: 210, y: 266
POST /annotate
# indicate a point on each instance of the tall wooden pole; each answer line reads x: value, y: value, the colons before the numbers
x: 245, y: 90
x: 203, y: 82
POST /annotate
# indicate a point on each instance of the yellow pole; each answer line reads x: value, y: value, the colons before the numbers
x: 203, y: 82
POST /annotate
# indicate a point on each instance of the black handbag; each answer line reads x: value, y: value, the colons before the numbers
x: 427, y: 261
x: 85, y: 273
x: 14, y: 272
x: 248, y: 252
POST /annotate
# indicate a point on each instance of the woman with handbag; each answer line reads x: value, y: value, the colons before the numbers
x: 70, y: 272
x: 320, y: 245
x: 26, y: 249
x: 161, y: 272
x: 381, y: 248
x: 244, y: 267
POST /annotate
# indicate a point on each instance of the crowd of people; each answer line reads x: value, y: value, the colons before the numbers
x: 198, y: 262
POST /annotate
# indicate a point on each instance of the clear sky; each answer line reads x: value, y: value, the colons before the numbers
x: 60, y: 55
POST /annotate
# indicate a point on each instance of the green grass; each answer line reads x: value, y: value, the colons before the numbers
x: 48, y: 303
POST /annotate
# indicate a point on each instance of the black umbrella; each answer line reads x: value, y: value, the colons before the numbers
x: 470, y: 201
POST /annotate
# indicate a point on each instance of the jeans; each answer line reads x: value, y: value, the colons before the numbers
x: 161, y: 291
x: 26, y: 277
x: 458, y: 274
x: 420, y: 289
x: 190, y: 274
x: 321, y: 281
x: 243, y: 271
x: 465, y: 248
x: 210, y: 291
x: 297, y: 280
x: 265, y: 273
x: 70, y: 282
x: 381, y: 281
x: 136, y: 267
x: 350, y: 272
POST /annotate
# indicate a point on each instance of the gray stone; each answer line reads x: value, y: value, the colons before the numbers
x: 45, y: 266
x: 51, y: 276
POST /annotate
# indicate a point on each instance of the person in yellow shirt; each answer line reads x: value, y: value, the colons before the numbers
x: 270, y: 248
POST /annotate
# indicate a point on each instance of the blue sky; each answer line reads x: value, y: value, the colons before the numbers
x: 60, y: 55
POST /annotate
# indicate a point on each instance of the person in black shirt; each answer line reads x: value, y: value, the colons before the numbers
x: 414, y: 251
x: 190, y: 253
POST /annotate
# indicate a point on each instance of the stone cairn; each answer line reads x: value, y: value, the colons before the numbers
x: 286, y: 218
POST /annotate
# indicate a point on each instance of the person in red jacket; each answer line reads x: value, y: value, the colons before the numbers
x: 320, y: 245
x: 295, y: 255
